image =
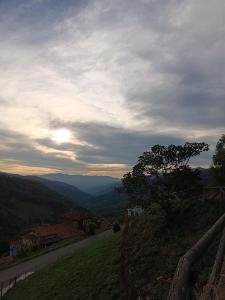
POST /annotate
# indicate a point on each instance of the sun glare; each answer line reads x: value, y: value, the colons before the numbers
x: 61, y: 136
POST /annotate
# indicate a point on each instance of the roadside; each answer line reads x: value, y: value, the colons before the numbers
x: 50, y: 248
x: 48, y: 258
x: 92, y: 272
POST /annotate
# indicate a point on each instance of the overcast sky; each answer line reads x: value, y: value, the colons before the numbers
x: 87, y: 86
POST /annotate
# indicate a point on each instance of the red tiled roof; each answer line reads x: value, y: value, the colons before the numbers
x: 60, y: 230
x: 16, y: 243
x: 44, y: 230
x: 65, y: 230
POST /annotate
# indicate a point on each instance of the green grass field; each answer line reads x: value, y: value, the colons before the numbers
x: 90, y: 273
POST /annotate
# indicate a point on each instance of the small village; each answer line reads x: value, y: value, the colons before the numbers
x: 75, y: 225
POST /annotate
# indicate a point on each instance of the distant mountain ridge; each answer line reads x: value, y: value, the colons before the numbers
x: 68, y: 190
x: 104, y: 200
x: 89, y: 184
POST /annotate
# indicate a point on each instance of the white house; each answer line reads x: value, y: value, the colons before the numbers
x: 135, y: 211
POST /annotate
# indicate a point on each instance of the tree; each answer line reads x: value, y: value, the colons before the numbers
x: 163, y: 171
x: 116, y: 227
x: 91, y: 228
x: 218, y: 167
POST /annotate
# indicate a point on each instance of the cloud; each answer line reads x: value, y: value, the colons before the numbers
x: 107, y: 144
x: 122, y: 75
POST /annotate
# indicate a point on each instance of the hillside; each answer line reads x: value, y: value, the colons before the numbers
x: 25, y: 202
x: 153, y: 243
x: 108, y: 204
x: 90, y: 273
x: 79, y: 197
x: 88, y: 184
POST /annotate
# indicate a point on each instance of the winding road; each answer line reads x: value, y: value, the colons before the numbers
x: 43, y: 260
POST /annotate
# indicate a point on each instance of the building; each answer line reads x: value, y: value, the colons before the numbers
x: 42, y: 236
x: 135, y: 211
x: 15, y: 247
x: 79, y: 220
x: 49, y: 234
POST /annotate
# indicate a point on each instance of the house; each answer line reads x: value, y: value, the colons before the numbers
x: 49, y: 234
x: 134, y: 211
x: 46, y: 234
x: 15, y: 247
x: 79, y: 220
x: 41, y: 236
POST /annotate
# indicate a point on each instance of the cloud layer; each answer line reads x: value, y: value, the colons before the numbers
x: 120, y: 75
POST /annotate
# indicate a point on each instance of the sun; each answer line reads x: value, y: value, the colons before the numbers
x: 61, y: 136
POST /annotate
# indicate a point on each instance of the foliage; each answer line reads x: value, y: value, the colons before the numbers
x: 218, y: 167
x: 116, y: 227
x: 91, y: 273
x: 3, y: 247
x: 91, y: 228
x: 153, y: 243
x: 25, y: 202
x: 162, y: 171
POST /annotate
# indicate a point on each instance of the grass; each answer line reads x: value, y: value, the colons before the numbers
x: 91, y: 273
x: 45, y: 250
x: 55, y: 246
x: 154, y: 243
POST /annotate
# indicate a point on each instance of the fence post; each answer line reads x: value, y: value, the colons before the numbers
x: 1, y: 290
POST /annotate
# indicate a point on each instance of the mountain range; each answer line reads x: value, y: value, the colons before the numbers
x: 93, y: 185
x: 104, y: 201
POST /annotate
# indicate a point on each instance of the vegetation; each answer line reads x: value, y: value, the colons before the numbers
x: 218, y: 167
x: 154, y: 242
x: 25, y: 202
x: 109, y: 204
x: 116, y: 227
x: 90, y: 273
x: 163, y: 171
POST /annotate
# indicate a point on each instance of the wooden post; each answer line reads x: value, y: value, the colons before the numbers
x: 208, y: 290
x: 1, y: 294
x: 180, y: 286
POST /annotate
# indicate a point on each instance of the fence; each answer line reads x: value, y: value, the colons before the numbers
x: 181, y: 288
x: 5, y: 286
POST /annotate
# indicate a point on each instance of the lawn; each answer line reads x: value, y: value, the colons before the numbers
x: 90, y: 273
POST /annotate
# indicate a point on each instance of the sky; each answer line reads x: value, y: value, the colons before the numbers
x: 87, y: 86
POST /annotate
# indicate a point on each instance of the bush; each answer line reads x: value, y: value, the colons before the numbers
x: 116, y: 227
x: 91, y: 229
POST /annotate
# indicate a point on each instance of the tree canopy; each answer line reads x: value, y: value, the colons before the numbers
x: 218, y: 167
x: 163, y: 170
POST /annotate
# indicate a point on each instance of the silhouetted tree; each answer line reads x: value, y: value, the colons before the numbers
x: 162, y: 171
x: 218, y: 167
x: 116, y: 227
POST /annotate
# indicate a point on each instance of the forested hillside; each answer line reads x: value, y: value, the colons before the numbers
x: 25, y: 202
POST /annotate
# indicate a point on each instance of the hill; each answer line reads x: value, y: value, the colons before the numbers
x: 88, y: 184
x: 79, y: 197
x: 107, y: 188
x: 25, y: 202
x: 90, y: 273
x: 108, y: 204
